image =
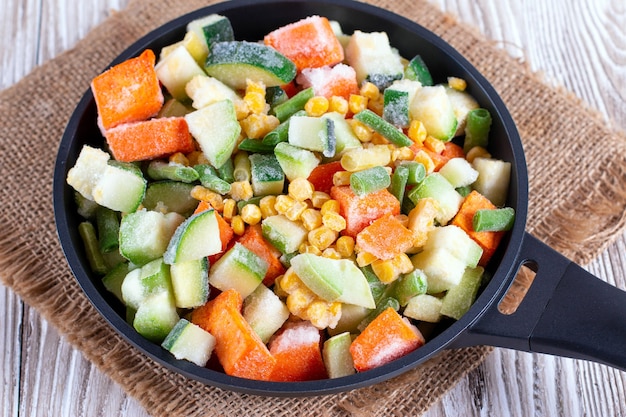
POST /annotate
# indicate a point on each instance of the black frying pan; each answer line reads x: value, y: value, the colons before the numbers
x: 567, y: 311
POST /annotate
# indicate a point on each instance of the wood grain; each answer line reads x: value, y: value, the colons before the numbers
x: 578, y: 45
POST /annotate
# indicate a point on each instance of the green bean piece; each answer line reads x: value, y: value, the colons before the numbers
x: 241, y: 170
x: 159, y: 170
x: 225, y: 172
x: 478, y: 124
x: 255, y: 146
x: 369, y: 180
x: 464, y: 191
x: 398, y: 182
x: 418, y: 71
x: 409, y: 285
x: 286, y: 109
x: 275, y: 95
x: 280, y: 132
x: 417, y: 172
x: 209, y: 178
x: 383, y: 127
x: 384, y: 304
x: 493, y: 220
x: 108, y: 226
x: 92, y: 248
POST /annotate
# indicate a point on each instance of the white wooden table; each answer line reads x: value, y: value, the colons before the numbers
x: 578, y: 44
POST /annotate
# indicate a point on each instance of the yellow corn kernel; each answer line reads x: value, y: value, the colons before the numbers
x: 241, y: 190
x: 341, y: 178
x: 423, y: 158
x: 357, y: 103
x: 241, y: 109
x: 334, y: 221
x: 290, y: 281
x: 322, y: 237
x: 319, y: 198
x: 283, y: 203
x: 254, y: 86
x: 358, y: 159
x: 422, y: 220
x: 179, y: 158
x: 404, y: 153
x: 434, y: 145
x: 364, y: 259
x: 345, y: 246
x: 230, y: 209
x: 299, y: 300
x: 308, y: 248
x: 238, y: 225
x: 369, y: 90
x: 457, y: 83
x: 316, y: 106
x: 339, y: 105
x: 361, y: 131
x: 301, y: 189
x: 376, y: 105
x: 204, y: 194
x: 251, y: 214
x: 331, y: 253
x: 266, y: 204
x: 323, y: 314
x: 378, y: 139
x: 330, y: 206
x: 257, y: 125
x: 196, y: 158
x: 311, y: 219
x: 255, y: 101
x: 417, y: 132
x: 402, y: 263
x: 295, y: 211
x: 385, y: 270
x: 477, y: 152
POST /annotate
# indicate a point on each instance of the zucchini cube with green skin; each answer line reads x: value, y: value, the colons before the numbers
x: 424, y: 307
x: 443, y: 270
x: 239, y: 269
x: 212, y: 28
x: 437, y: 187
x: 140, y: 283
x: 313, y: 133
x: 113, y: 280
x: 337, y: 357
x: 156, y: 316
x: 455, y: 240
x: 145, y: 235
x: 236, y: 61
x: 176, y: 69
x: 170, y: 196
x: 345, y: 139
x: 397, y: 101
x: 190, y: 282
x: 432, y: 107
x: 190, y: 342
x: 205, y: 90
x: 373, y: 59
x: 284, y: 234
x: 460, y: 298
x: 265, y: 312
x: 197, y: 237
x: 295, y: 161
x: 459, y: 172
x: 333, y: 279
x: 266, y: 174
x: 215, y: 128
x: 121, y: 187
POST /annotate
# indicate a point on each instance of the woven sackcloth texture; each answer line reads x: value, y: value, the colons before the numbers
x: 560, y: 136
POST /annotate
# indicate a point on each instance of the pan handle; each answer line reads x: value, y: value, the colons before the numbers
x: 566, y: 312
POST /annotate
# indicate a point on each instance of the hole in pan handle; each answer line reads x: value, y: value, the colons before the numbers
x: 567, y: 312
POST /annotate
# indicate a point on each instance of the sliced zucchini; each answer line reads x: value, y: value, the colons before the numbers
x: 373, y: 59
x: 265, y: 312
x: 170, y: 196
x: 156, y: 316
x: 239, y: 269
x: 197, y: 237
x: 284, y: 234
x: 176, y: 69
x: 266, y: 174
x: 121, y: 187
x: 424, y: 307
x: 433, y: 108
x: 295, y: 161
x: 190, y: 342
x: 205, y: 90
x: 436, y: 186
x: 313, y: 133
x: 190, y: 282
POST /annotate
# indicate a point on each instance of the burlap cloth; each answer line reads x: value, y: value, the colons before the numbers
x: 577, y: 168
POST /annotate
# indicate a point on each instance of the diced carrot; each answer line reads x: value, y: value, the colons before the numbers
x: 451, y: 150
x: 290, y: 89
x: 128, y: 92
x: 298, y: 353
x: 359, y: 212
x: 339, y: 80
x: 226, y: 232
x: 239, y: 349
x: 385, y: 238
x: 387, y: 337
x: 489, y: 241
x: 253, y: 239
x: 309, y: 43
x: 322, y: 175
x: 150, y: 139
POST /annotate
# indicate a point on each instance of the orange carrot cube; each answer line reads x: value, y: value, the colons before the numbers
x: 239, y: 349
x: 150, y: 139
x: 309, y: 43
x: 385, y: 238
x: 298, y: 354
x: 358, y: 211
x: 489, y: 241
x: 253, y: 239
x: 386, y: 338
x: 127, y: 92
x: 339, y: 80
x: 322, y: 175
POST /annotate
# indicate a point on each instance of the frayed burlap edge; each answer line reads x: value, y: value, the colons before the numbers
x: 33, y: 266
